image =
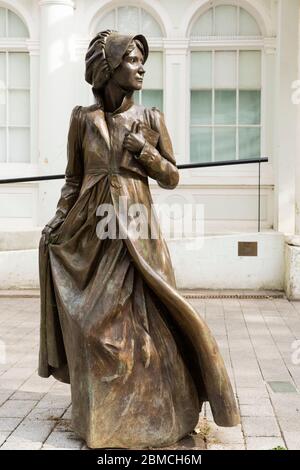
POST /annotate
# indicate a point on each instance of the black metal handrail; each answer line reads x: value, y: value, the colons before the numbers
x: 180, y: 167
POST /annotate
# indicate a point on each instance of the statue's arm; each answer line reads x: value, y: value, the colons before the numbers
x: 159, y: 161
x: 73, y: 174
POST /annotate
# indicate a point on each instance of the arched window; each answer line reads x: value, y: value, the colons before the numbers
x: 225, y: 20
x: 134, y: 20
x: 14, y: 92
x: 225, y: 111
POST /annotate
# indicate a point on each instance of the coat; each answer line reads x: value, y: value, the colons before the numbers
x: 95, y: 152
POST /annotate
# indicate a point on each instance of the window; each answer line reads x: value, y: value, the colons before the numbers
x: 225, y: 112
x: 226, y: 21
x: 14, y: 94
x: 130, y: 20
x: 134, y: 20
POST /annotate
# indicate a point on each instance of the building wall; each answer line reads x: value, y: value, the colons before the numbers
x: 59, y: 35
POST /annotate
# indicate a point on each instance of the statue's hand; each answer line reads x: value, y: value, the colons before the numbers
x: 47, y: 233
x: 134, y: 141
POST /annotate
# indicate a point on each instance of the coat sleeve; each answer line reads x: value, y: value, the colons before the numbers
x: 159, y: 161
x: 74, y: 171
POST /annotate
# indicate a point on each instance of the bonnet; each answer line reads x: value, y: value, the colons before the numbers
x: 105, y: 53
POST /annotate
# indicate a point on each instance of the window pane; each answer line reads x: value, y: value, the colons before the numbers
x: 201, y: 107
x: 153, y: 98
x: 19, y: 145
x: 16, y: 27
x: 154, y: 71
x: 2, y: 107
x: 2, y: 145
x: 225, y: 107
x: 250, y: 69
x: 225, y: 144
x: 249, y: 143
x: 249, y: 107
x: 2, y: 70
x: 128, y: 20
x: 2, y: 23
x: 201, y: 145
x: 107, y: 22
x: 201, y: 70
x: 225, y: 69
x: 19, y: 107
x: 226, y: 21
x: 248, y: 25
x: 150, y: 27
x: 204, y: 25
x: 18, y: 69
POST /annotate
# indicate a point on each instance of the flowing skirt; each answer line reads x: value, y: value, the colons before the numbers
x: 130, y: 385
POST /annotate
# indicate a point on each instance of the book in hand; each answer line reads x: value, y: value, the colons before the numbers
x: 130, y: 163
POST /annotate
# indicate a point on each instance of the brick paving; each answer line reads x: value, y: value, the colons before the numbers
x: 255, y: 337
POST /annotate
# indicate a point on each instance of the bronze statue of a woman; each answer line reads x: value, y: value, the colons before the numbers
x: 139, y: 359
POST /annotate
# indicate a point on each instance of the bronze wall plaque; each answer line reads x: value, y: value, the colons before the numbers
x: 247, y: 248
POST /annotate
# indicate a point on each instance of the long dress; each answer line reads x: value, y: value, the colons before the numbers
x: 139, y: 359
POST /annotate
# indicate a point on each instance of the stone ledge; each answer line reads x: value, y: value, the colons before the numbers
x: 20, y: 293
x: 292, y: 240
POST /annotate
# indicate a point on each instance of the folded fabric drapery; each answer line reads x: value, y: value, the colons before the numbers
x: 140, y: 360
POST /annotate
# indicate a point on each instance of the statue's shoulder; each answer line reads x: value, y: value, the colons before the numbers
x: 153, y: 116
x: 81, y: 114
x: 89, y: 109
x: 86, y: 113
x: 153, y: 112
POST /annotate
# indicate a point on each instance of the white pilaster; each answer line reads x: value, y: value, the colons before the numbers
x: 57, y: 96
x: 176, y: 88
x: 286, y: 115
x: 296, y: 100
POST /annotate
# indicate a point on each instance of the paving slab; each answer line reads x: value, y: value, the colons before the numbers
x: 255, y: 337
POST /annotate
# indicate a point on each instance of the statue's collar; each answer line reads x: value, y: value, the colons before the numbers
x: 125, y: 105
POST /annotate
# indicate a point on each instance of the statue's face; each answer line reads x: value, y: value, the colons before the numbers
x: 130, y: 73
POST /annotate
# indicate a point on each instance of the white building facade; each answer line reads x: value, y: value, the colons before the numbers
x: 225, y: 74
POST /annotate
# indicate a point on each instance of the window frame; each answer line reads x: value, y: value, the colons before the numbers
x: 114, y: 8
x: 236, y: 126
x: 8, y: 126
x: 248, y: 174
x: 31, y: 47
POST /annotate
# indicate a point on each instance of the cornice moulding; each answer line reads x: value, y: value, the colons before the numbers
x: 67, y: 3
x: 16, y: 44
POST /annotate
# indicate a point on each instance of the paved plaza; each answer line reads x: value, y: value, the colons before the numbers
x: 257, y: 337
